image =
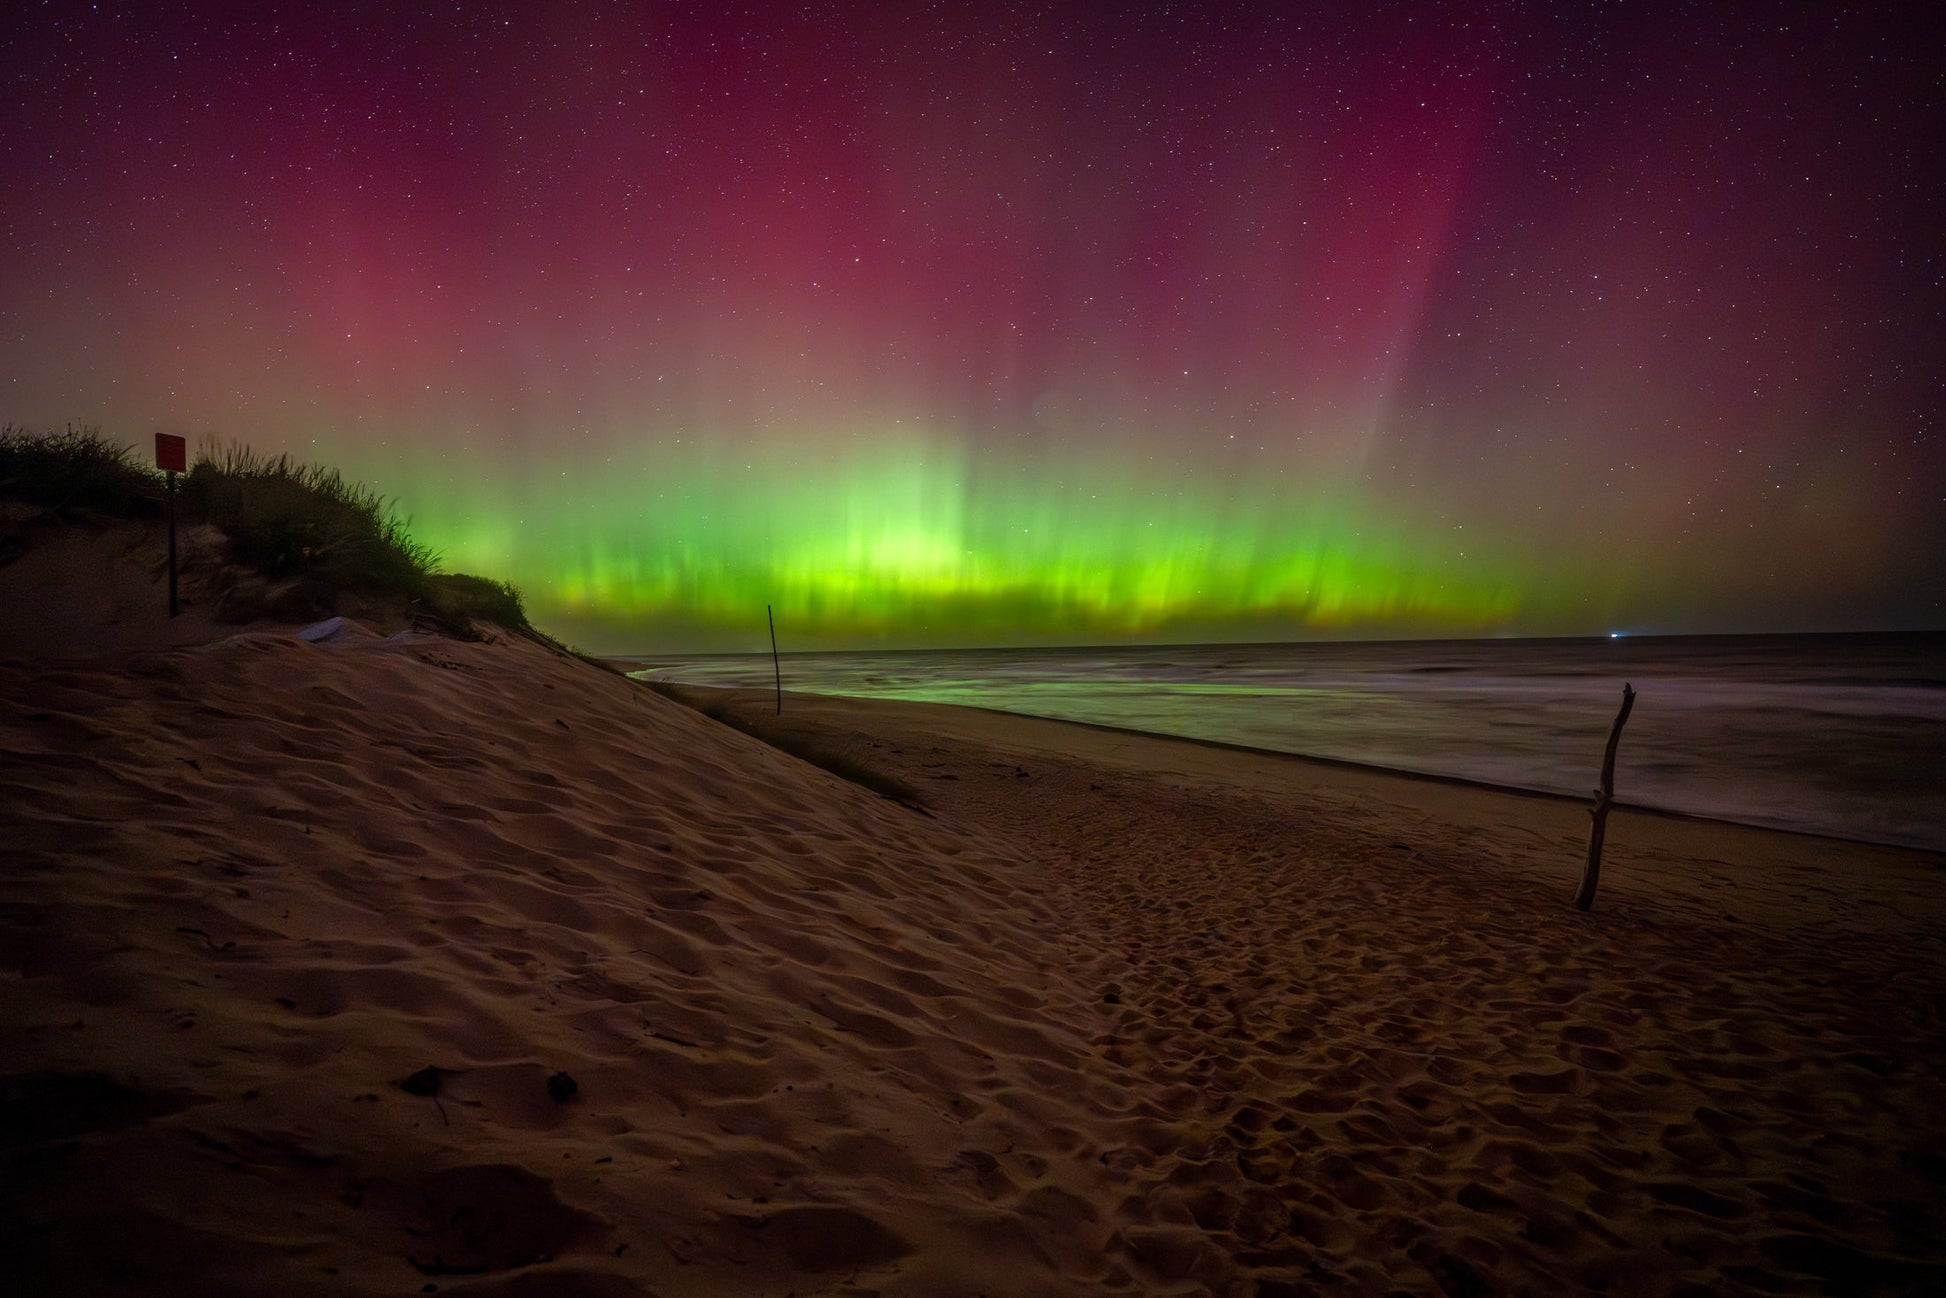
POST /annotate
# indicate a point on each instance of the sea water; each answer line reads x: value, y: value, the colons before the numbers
x: 1843, y: 735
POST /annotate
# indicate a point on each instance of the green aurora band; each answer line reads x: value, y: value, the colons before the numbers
x: 904, y: 541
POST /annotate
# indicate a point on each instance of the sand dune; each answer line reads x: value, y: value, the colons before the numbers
x: 363, y: 964
x: 258, y: 884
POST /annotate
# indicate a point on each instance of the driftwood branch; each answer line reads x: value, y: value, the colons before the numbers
x: 1584, y: 896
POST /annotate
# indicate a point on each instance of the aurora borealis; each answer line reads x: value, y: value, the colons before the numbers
x: 1007, y: 324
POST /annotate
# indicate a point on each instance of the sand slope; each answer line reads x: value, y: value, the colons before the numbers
x: 818, y: 1041
x: 101, y: 587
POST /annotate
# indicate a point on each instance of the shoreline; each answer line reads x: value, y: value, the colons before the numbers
x: 1350, y: 764
x: 1823, y: 740
x: 1644, y: 851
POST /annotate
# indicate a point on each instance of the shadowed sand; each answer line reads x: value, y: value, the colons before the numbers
x: 1121, y: 1014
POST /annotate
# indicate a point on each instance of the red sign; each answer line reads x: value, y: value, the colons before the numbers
x: 171, y: 453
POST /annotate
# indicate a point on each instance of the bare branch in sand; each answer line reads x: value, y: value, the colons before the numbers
x: 1584, y: 896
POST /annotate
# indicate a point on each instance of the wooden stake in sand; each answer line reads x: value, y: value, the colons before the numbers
x: 775, y: 669
x: 1584, y: 897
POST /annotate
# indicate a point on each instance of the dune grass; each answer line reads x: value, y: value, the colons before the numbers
x: 285, y: 519
x: 313, y: 542
x: 77, y: 474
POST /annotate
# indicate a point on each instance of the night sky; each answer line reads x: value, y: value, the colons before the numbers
x: 1008, y: 324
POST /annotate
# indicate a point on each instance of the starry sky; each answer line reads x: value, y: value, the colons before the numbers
x: 990, y: 324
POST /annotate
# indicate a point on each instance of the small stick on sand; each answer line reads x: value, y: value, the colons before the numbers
x: 774, y: 666
x: 1584, y: 897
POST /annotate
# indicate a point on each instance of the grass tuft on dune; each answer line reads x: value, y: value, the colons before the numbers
x: 303, y: 541
x: 77, y: 474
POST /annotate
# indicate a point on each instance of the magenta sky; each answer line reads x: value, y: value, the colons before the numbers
x: 1539, y: 318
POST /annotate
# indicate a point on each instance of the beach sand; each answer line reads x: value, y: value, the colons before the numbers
x: 395, y: 964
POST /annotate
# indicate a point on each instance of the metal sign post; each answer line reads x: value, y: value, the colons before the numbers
x: 171, y: 456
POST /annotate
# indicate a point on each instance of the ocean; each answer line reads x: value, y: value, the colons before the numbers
x: 1841, y: 735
